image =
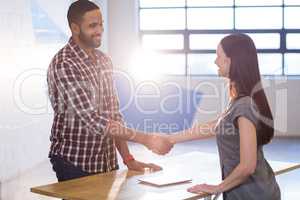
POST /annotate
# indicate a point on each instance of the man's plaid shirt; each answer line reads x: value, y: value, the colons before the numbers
x: 83, y: 99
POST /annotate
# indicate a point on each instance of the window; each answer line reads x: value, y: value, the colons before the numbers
x: 197, y: 18
x: 162, y: 19
x: 45, y: 30
x: 165, y: 41
x: 258, y: 18
x: 193, y: 29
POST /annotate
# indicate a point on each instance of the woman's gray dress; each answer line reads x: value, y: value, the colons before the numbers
x: 261, y: 185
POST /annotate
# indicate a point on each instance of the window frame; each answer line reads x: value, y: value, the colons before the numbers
x: 187, y: 32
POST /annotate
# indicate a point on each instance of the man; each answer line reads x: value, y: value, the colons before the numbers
x: 84, y: 101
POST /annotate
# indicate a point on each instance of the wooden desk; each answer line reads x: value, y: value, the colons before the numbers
x: 124, y: 184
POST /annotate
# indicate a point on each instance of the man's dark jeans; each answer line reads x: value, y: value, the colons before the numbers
x: 65, y: 170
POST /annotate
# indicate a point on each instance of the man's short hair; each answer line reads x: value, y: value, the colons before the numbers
x: 78, y: 9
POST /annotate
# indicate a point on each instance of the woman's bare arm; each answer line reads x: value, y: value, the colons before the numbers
x: 197, y: 132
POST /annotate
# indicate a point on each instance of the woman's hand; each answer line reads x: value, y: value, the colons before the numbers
x: 156, y: 142
x: 205, y: 188
x: 159, y: 143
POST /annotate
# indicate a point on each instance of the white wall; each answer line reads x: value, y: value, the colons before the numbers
x: 122, y: 31
x: 283, y: 94
x: 19, y: 21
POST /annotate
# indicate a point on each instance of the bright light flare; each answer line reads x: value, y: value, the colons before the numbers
x: 146, y: 65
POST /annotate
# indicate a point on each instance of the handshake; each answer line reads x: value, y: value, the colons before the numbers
x: 156, y: 142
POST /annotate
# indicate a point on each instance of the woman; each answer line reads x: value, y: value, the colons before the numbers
x: 242, y: 130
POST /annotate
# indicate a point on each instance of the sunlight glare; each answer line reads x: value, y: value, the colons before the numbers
x: 146, y: 65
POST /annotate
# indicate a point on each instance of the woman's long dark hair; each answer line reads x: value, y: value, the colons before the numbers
x: 244, y: 73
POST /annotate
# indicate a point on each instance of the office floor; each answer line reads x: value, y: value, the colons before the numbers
x: 281, y: 149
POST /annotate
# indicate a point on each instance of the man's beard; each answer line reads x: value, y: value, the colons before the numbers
x: 88, y: 41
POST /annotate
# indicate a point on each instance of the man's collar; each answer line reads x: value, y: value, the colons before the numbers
x: 78, y: 50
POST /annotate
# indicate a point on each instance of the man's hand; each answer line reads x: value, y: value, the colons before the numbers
x: 159, y: 144
x: 141, y: 167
